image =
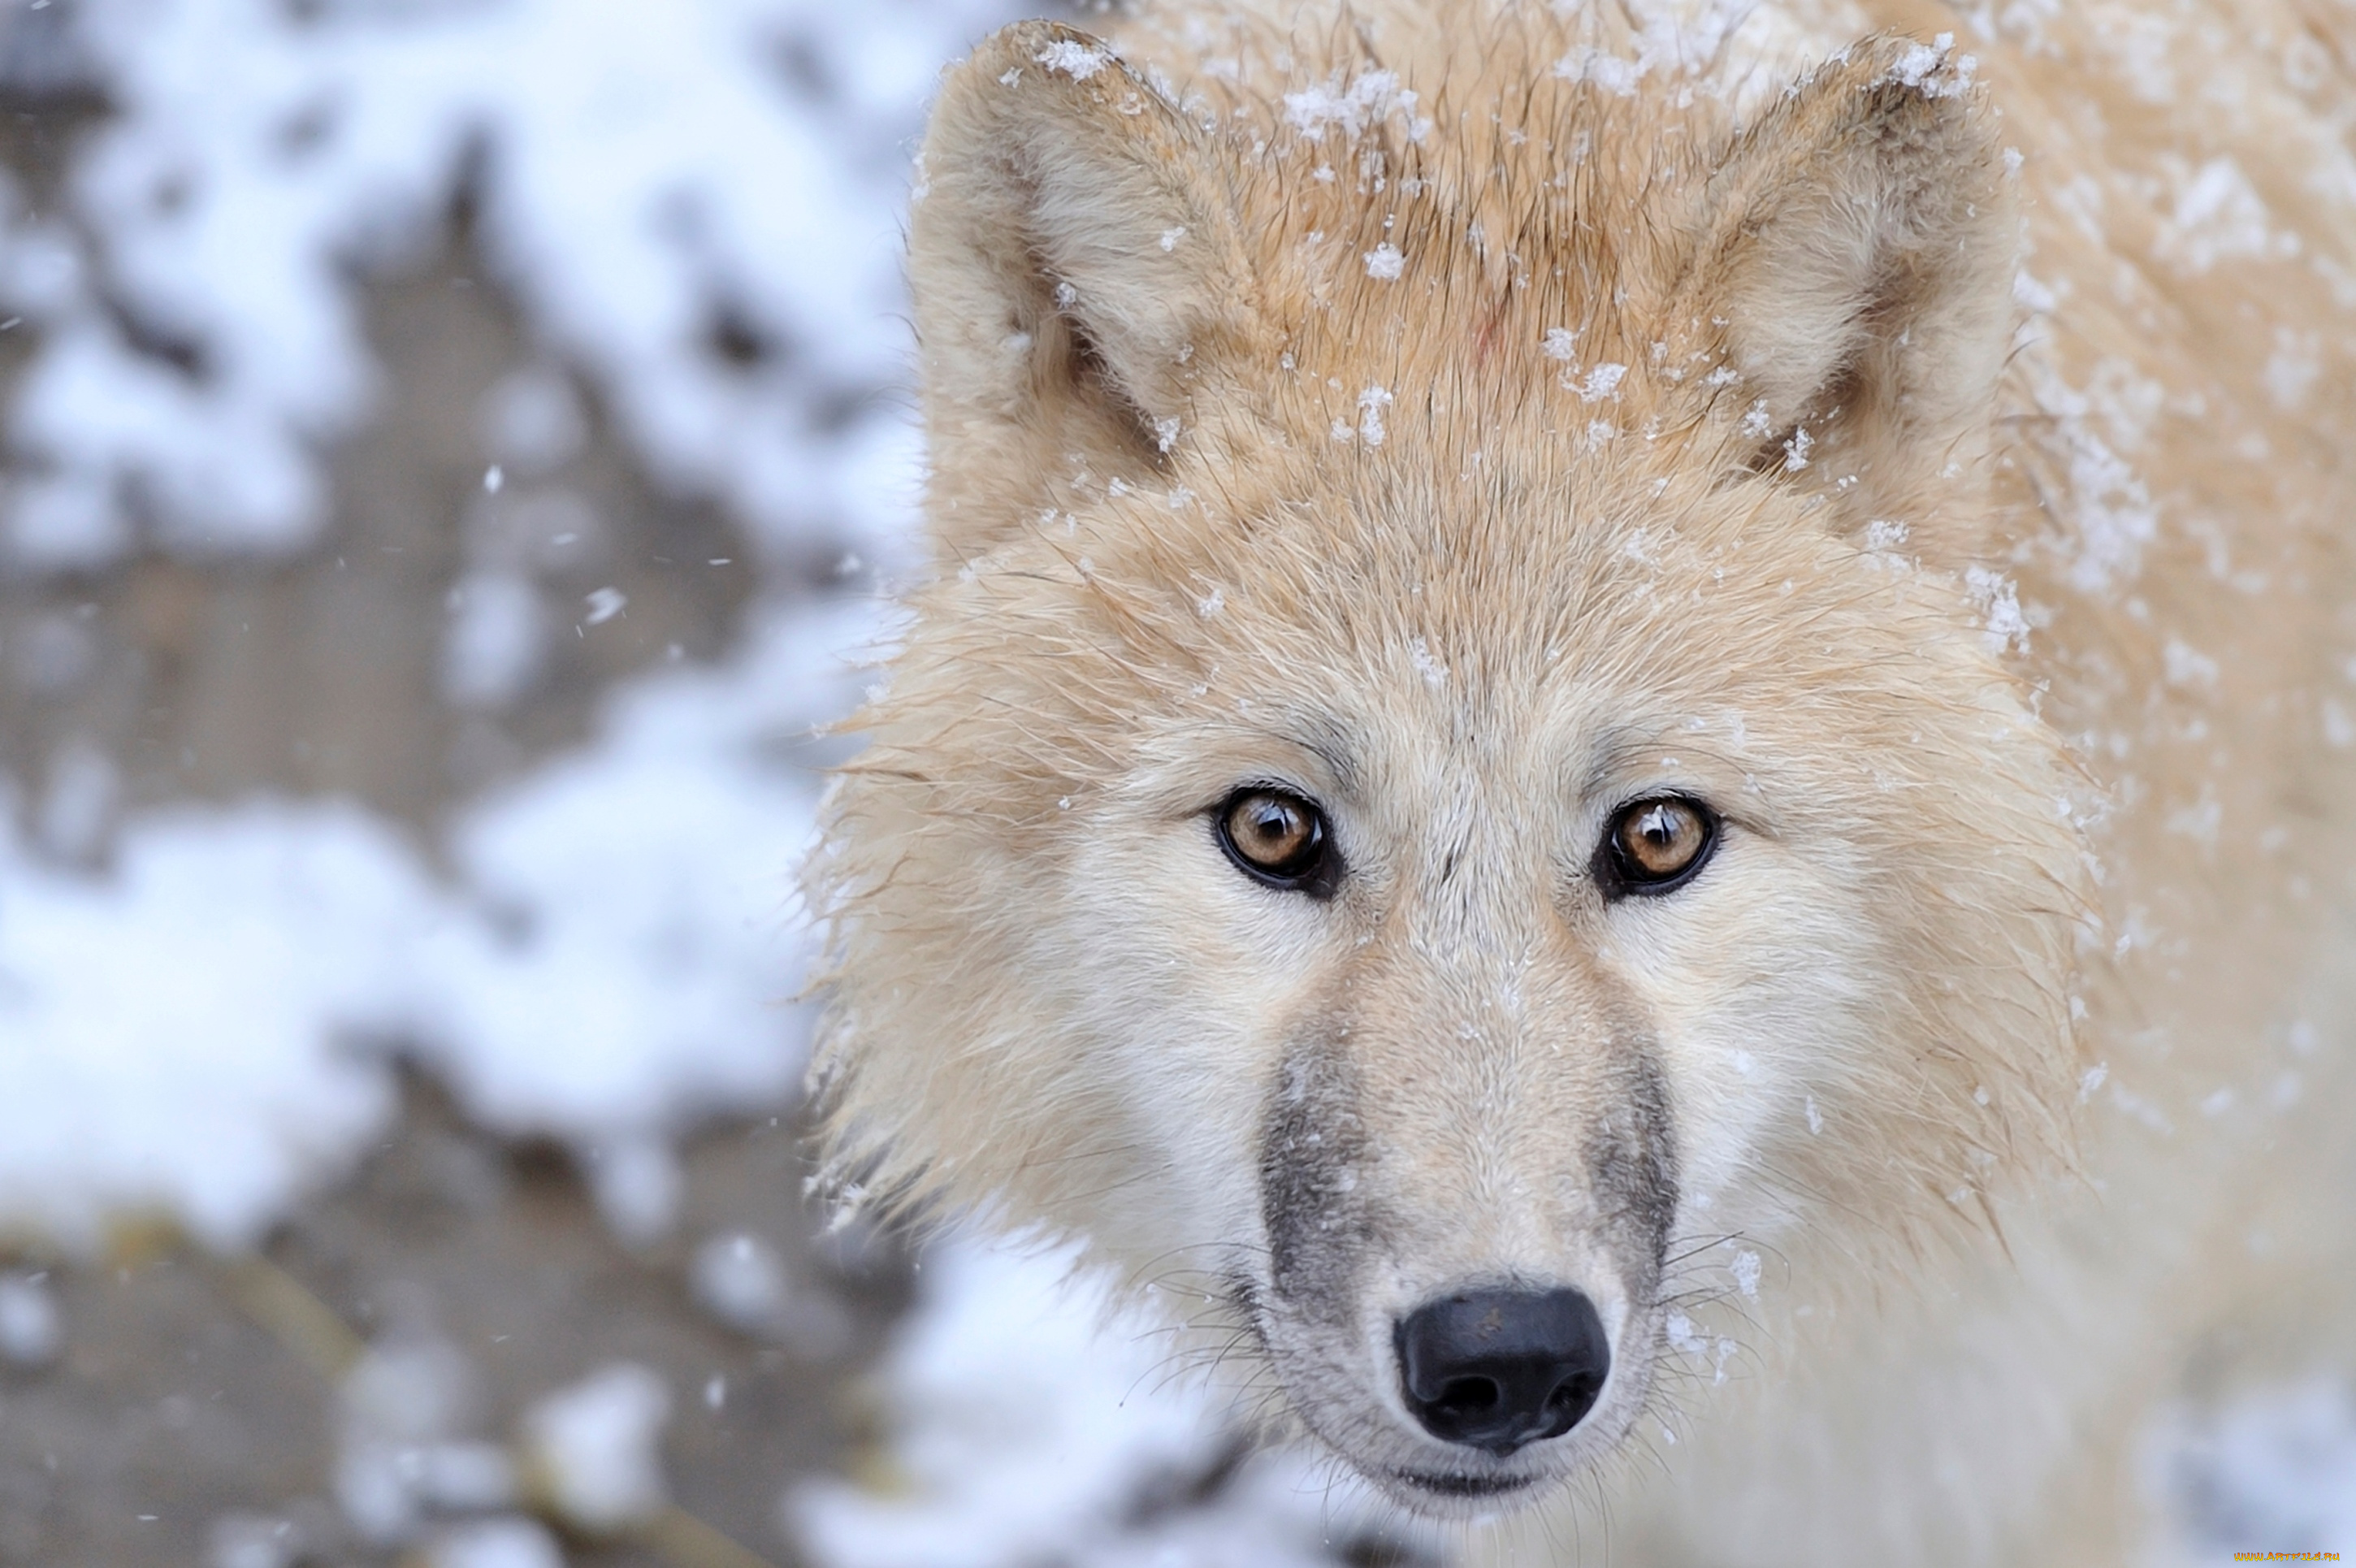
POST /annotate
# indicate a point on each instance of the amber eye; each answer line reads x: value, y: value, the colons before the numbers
x: 1277, y: 837
x: 1656, y: 846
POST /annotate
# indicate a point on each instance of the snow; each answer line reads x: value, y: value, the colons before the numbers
x: 613, y: 962
x: 175, y: 1036
x: 642, y: 888
x: 741, y: 1280
x: 1934, y: 69
x: 31, y: 1332
x: 200, y: 1006
x: 78, y: 807
x: 2292, y: 369
x: 496, y: 639
x: 602, y: 605
x: 1427, y: 663
x: 606, y: 951
x: 595, y: 1449
x: 406, y: 1443
x: 2184, y: 665
x: 2274, y: 1468
x: 2218, y: 217
x: 1352, y: 105
x: 1076, y: 61
x: 1602, y: 381
x: 1999, y: 599
x: 247, y: 1540
x: 496, y: 1543
x: 1036, y: 1424
x: 1609, y: 71
x: 648, y: 180
x: 534, y: 420
x: 1680, y: 37
x: 2112, y: 515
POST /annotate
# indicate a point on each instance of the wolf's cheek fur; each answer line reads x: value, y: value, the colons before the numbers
x: 1763, y: 988
x: 1194, y: 978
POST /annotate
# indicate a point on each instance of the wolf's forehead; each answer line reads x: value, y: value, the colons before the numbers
x: 1452, y: 359
x: 1540, y: 629
x: 1529, y: 683
x: 1541, y: 230
x: 1507, y: 545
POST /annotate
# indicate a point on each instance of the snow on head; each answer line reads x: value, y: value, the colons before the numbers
x: 1684, y: 37
x: 1934, y: 68
x: 1353, y: 105
x: 1614, y: 73
x: 1078, y: 60
x: 1602, y: 381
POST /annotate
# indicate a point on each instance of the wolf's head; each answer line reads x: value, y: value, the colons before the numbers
x: 1450, y: 789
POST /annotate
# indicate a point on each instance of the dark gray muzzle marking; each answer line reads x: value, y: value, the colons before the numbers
x: 1323, y: 1228
x: 1632, y: 1167
x: 1321, y: 1231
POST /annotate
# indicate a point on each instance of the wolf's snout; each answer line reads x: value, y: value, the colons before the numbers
x: 1498, y: 1368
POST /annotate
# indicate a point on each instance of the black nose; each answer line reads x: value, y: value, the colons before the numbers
x: 1497, y: 1369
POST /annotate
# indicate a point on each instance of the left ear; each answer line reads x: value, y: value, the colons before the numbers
x: 1856, y: 246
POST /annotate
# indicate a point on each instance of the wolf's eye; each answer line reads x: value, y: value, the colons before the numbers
x: 1656, y: 846
x: 1277, y: 838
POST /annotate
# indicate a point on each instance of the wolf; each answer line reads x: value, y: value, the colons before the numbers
x: 1625, y: 750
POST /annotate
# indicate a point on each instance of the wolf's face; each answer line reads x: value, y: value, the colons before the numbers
x: 1505, y: 946
x: 1436, y: 822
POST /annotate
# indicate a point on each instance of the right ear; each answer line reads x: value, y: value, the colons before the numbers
x: 1077, y: 264
x: 1856, y: 248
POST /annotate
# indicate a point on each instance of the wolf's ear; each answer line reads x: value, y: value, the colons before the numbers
x: 1856, y: 248
x: 1075, y: 262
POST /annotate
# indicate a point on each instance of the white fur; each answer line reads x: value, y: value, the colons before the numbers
x: 1708, y: 459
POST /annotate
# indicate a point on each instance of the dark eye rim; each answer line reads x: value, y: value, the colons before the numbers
x: 1320, y: 873
x: 1619, y: 878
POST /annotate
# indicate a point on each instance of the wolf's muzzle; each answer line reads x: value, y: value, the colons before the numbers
x: 1498, y: 1368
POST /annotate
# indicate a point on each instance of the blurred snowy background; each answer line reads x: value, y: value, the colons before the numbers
x: 454, y: 449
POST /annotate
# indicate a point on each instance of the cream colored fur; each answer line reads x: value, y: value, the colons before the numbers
x: 1477, y: 416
